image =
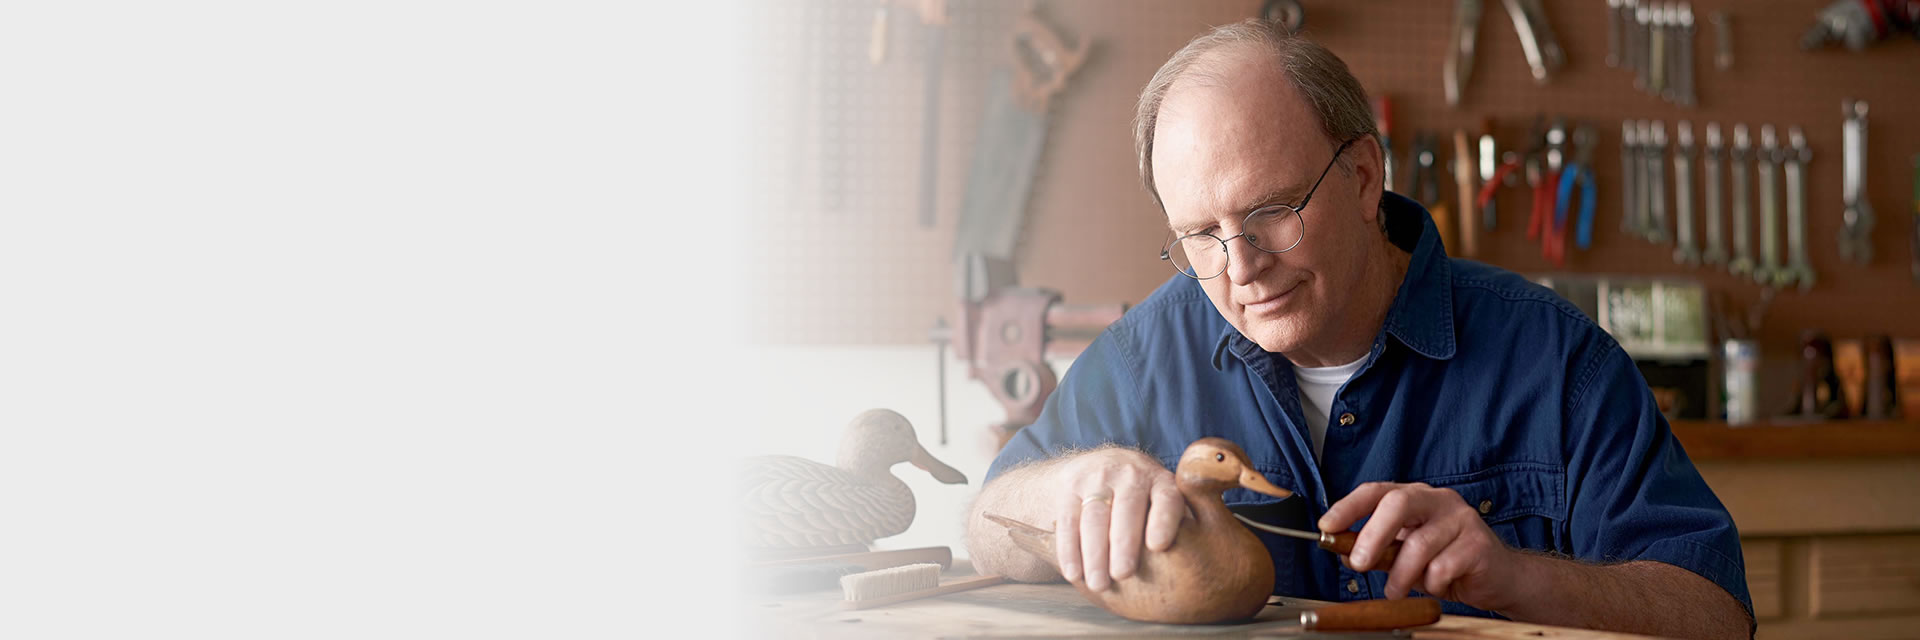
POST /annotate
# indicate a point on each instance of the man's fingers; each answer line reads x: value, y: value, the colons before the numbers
x: 1066, y: 540
x: 1412, y: 568
x: 1095, y: 520
x: 1404, y: 506
x: 1164, y: 516
x: 1129, y: 520
x: 1356, y: 505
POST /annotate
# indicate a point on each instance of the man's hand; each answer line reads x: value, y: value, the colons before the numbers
x: 1111, y: 497
x: 1446, y: 549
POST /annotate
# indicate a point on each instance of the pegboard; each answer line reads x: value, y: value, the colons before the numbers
x: 837, y: 256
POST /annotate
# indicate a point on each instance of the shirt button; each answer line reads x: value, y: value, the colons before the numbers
x: 1486, y: 506
x: 1353, y: 586
x: 1346, y: 419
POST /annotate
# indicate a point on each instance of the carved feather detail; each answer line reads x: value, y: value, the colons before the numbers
x: 794, y: 502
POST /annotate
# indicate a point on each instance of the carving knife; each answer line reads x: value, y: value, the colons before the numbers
x: 1340, y: 543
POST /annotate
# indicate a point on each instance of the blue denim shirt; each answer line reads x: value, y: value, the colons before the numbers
x: 1479, y: 381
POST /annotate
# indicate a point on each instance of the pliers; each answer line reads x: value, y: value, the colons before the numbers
x: 1580, y: 171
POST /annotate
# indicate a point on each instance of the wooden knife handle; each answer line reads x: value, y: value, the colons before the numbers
x: 1373, y: 615
x: 1342, y: 544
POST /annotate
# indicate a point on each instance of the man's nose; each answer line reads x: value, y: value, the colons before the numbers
x: 1246, y: 262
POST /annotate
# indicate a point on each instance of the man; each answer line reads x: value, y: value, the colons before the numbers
x: 1317, y: 322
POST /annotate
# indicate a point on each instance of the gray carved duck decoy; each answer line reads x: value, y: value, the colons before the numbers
x: 1216, y: 570
x: 795, y: 503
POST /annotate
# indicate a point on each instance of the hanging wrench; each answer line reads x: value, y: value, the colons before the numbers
x: 1629, y: 179
x: 1642, y: 46
x: 1716, y: 252
x: 1856, y: 239
x: 1613, y: 32
x: 1798, y: 269
x: 1683, y: 57
x: 1654, y: 167
x: 1685, y: 253
x: 1657, y: 54
x: 1765, y: 164
x: 1742, y: 248
x: 1536, y: 38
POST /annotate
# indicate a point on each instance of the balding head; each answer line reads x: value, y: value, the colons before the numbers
x: 1219, y: 57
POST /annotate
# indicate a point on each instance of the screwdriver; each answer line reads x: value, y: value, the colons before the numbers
x: 1340, y: 543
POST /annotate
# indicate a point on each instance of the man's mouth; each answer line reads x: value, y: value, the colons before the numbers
x: 1272, y: 303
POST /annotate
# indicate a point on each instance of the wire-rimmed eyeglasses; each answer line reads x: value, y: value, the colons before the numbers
x: 1276, y: 228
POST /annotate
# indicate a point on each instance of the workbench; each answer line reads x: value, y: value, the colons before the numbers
x: 1057, y: 611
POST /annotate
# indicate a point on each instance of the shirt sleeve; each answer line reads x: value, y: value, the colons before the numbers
x: 1634, y: 493
x: 1096, y: 403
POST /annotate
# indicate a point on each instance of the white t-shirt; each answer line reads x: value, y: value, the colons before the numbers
x: 1317, y: 386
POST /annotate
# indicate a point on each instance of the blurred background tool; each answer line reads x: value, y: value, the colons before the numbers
x: 1860, y: 23
x: 1458, y: 67
x: 933, y: 16
x: 1685, y: 252
x: 1463, y: 170
x: 1537, y: 42
x: 1856, y: 238
x: 1488, y: 160
x: 1013, y: 133
x: 1577, y: 173
x: 1289, y: 14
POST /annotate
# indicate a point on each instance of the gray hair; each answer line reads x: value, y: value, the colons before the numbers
x: 1336, y: 96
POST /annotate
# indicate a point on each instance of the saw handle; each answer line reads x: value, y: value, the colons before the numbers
x: 1373, y: 615
x: 1342, y: 543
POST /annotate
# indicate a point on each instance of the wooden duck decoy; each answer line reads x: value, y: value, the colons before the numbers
x: 1216, y: 570
x: 795, y: 503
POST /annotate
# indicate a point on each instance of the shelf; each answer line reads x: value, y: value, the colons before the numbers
x: 1782, y: 439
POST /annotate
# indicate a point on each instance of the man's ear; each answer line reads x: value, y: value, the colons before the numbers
x: 1370, y: 170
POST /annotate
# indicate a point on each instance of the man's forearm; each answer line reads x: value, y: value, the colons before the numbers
x: 1022, y: 494
x: 1635, y: 597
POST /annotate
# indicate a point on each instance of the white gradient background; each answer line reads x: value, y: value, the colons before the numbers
x: 363, y: 319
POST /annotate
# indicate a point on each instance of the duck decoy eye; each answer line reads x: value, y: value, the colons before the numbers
x: 1219, y: 457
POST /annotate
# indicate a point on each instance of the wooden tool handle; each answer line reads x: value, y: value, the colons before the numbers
x: 1373, y: 615
x: 1343, y: 544
x: 951, y: 587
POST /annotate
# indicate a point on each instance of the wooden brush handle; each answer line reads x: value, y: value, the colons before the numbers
x: 1373, y: 615
x: 951, y: 587
x: 874, y: 560
x: 1342, y: 544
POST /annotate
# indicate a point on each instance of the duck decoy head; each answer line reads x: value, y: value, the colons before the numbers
x: 1216, y: 465
x: 877, y: 439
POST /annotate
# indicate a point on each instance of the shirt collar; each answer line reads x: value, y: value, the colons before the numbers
x: 1422, y: 313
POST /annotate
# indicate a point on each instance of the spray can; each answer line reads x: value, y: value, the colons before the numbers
x: 1742, y: 385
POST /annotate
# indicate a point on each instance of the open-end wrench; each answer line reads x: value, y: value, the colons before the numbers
x: 1856, y: 238
x: 1654, y: 168
x: 1642, y: 46
x: 1685, y: 253
x: 1537, y: 42
x: 1742, y: 263
x: 1765, y: 164
x: 1798, y: 269
x: 1683, y: 56
x: 1657, y: 49
x: 1716, y: 253
x: 1613, y: 32
x: 1630, y: 179
x: 1722, y: 40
